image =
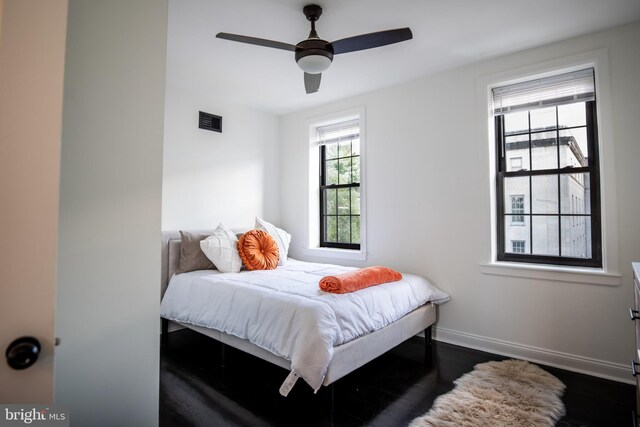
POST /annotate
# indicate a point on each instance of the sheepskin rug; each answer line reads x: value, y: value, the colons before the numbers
x: 497, y: 394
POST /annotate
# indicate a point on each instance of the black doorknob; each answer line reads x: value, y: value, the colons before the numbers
x: 23, y: 352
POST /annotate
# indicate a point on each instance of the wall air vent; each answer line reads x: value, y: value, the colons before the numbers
x: 210, y: 122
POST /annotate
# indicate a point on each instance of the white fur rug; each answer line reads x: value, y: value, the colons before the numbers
x: 496, y: 394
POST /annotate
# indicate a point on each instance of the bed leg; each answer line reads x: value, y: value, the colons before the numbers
x: 164, y: 325
x: 428, y: 344
x: 222, y: 355
x: 332, y: 402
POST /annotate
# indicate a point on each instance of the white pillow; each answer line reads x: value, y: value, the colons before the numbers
x: 281, y: 237
x: 222, y: 249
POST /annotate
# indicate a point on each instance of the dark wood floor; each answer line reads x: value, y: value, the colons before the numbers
x: 195, y: 390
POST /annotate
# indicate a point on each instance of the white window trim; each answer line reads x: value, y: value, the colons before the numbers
x: 312, y: 239
x: 552, y: 273
x: 609, y: 273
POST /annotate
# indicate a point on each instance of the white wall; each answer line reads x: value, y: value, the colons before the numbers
x: 107, y: 366
x: 212, y: 177
x: 429, y: 209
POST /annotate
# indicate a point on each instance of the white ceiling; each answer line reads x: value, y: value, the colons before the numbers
x: 446, y: 34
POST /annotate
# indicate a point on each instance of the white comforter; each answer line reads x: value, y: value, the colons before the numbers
x: 285, y: 312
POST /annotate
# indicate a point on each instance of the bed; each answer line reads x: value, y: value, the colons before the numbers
x: 348, y: 330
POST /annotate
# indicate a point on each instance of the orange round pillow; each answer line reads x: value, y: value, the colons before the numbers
x: 258, y: 250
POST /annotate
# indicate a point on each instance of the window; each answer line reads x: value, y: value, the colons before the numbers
x: 340, y: 185
x: 517, y: 246
x: 516, y: 163
x: 548, y: 205
x: 336, y: 215
x: 517, y: 210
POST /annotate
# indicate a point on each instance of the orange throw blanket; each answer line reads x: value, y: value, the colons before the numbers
x: 358, y: 279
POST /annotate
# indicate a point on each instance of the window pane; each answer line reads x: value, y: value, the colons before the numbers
x: 344, y: 204
x: 573, y: 147
x: 355, y: 201
x: 517, y: 147
x: 576, y: 236
x: 344, y: 171
x: 344, y: 149
x: 355, y: 229
x: 344, y: 229
x: 517, y: 187
x: 355, y: 169
x: 575, y: 191
x: 545, y: 235
x: 518, y: 233
x: 545, y: 193
x: 331, y: 172
x: 331, y: 229
x: 543, y: 118
x: 544, y: 150
x: 330, y: 206
x: 516, y: 122
x: 355, y: 147
x: 570, y: 115
x: 330, y: 151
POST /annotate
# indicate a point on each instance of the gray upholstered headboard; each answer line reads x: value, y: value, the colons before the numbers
x: 171, y: 253
x: 171, y: 256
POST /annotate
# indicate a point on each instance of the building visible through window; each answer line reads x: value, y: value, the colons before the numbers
x: 516, y: 163
x: 517, y: 246
x: 548, y: 171
x: 517, y: 210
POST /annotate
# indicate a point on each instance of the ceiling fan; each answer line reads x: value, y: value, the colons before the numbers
x: 314, y: 55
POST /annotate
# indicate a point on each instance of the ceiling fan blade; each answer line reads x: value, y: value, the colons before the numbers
x: 312, y: 82
x: 256, y: 41
x: 371, y: 40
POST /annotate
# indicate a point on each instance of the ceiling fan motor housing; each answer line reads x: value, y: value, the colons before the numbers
x: 314, y: 55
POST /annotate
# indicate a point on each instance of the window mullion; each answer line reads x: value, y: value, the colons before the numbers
x: 563, y: 171
x: 337, y: 217
x: 530, y: 186
x: 332, y: 186
x: 559, y: 186
x: 323, y: 217
x: 594, y: 180
x: 500, y: 165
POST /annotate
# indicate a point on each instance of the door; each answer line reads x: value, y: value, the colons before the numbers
x: 32, y: 48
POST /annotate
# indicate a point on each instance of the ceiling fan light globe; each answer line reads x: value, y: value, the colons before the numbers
x: 314, y: 64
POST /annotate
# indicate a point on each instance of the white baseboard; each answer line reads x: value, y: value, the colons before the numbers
x: 570, y: 362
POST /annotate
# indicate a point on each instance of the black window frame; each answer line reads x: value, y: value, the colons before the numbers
x: 592, y: 168
x: 323, y: 187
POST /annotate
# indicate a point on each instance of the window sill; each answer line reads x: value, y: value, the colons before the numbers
x: 333, y: 253
x: 552, y: 273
